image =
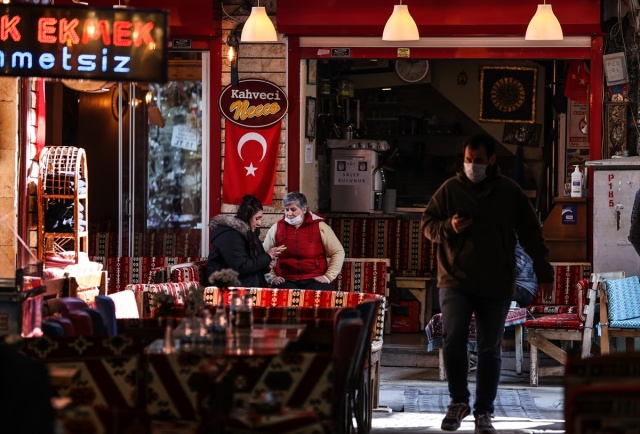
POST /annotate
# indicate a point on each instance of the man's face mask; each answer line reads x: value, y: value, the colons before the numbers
x: 475, y: 172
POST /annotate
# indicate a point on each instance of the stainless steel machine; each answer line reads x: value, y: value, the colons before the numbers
x: 357, y: 181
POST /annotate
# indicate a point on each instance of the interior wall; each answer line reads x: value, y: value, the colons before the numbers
x: 8, y: 175
x: 467, y: 99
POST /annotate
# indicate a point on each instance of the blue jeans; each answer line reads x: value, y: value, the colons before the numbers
x: 490, y: 314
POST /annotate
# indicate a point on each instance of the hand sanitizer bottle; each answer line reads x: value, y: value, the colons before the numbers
x: 576, y: 182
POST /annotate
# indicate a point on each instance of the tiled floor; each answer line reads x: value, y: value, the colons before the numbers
x: 410, y: 349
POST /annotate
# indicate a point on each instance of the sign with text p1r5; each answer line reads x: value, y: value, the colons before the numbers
x: 114, y: 44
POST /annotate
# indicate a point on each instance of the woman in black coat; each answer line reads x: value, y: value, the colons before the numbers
x: 234, y: 243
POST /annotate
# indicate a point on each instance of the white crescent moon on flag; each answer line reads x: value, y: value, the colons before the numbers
x: 252, y: 136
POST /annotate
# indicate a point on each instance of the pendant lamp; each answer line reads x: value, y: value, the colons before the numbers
x: 258, y: 27
x: 544, y: 26
x: 400, y: 25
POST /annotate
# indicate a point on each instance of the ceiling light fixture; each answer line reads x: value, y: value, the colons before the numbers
x: 258, y: 28
x: 400, y: 25
x: 544, y: 26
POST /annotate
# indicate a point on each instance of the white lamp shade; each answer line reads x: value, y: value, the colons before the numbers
x: 258, y: 27
x: 544, y: 26
x: 400, y: 26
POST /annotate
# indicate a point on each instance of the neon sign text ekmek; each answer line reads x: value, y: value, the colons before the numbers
x: 80, y: 42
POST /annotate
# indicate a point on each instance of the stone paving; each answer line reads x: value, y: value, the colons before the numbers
x: 391, y: 418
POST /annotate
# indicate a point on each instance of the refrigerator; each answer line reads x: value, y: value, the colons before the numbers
x: 615, y: 183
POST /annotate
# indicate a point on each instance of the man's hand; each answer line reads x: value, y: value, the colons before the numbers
x: 460, y: 224
x: 277, y: 280
x: 321, y: 279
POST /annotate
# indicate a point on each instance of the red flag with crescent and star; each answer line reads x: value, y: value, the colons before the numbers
x: 250, y: 159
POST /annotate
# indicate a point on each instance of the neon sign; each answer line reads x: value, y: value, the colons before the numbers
x: 117, y: 44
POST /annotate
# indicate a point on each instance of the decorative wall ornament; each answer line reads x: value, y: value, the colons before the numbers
x: 522, y: 134
x: 615, y: 129
x: 508, y: 94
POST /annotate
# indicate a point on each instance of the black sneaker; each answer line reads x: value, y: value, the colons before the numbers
x: 483, y: 424
x: 455, y: 413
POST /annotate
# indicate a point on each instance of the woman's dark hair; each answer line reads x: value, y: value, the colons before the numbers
x: 248, y: 208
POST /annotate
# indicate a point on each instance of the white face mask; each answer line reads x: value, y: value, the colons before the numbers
x: 295, y: 221
x: 475, y: 172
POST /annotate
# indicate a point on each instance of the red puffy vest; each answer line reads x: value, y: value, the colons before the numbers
x: 304, y: 257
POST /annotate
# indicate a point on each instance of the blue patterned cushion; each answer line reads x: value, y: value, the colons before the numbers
x: 623, y: 297
x: 633, y: 323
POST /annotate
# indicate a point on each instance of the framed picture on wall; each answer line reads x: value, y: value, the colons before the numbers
x: 312, y: 71
x: 310, y: 118
x: 508, y: 94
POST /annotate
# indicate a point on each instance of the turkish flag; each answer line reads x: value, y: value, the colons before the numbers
x: 250, y: 158
x: 577, y: 81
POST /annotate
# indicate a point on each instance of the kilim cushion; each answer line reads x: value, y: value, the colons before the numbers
x: 623, y: 297
x: 565, y: 321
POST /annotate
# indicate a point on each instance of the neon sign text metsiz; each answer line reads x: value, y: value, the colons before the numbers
x: 90, y: 43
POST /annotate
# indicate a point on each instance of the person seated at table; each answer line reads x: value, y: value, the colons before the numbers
x: 308, y: 242
x: 234, y: 244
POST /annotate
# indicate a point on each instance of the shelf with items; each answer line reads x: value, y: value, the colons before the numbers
x: 63, y: 201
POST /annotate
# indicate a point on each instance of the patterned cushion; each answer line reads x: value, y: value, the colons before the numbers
x: 564, y: 321
x: 435, y: 332
x: 623, y: 298
x: 567, y: 274
x: 145, y: 294
x: 363, y: 275
x: 274, y: 297
x: 127, y: 270
x: 411, y: 254
x: 108, y: 367
x: 633, y: 323
x: 189, y: 273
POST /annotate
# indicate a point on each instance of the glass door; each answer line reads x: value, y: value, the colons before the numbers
x: 162, y: 146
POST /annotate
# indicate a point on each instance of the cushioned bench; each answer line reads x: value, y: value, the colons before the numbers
x: 413, y: 258
x: 515, y: 318
x: 125, y: 270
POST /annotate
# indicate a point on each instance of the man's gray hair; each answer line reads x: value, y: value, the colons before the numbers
x: 296, y: 198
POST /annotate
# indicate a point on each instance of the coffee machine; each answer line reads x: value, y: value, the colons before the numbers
x: 357, y: 180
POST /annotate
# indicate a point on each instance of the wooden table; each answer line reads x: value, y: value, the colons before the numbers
x: 261, y: 339
x: 420, y: 287
x: 63, y: 375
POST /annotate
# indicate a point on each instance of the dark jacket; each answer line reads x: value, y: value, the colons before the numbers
x: 481, y: 260
x: 233, y: 245
x: 634, y: 228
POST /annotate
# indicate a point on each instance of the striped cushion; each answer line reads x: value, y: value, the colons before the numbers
x: 623, y: 297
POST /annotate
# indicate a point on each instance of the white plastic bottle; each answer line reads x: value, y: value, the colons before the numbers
x: 576, y: 182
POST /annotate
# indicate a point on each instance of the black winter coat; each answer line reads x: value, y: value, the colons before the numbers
x: 233, y: 245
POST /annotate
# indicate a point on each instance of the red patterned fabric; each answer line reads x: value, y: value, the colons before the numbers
x: 108, y: 367
x: 565, y: 321
x: 299, y: 379
x: 368, y: 275
x: 275, y: 297
x: 435, y: 333
x: 411, y: 254
x: 566, y: 276
x: 125, y: 270
x: 190, y: 273
x: 155, y: 242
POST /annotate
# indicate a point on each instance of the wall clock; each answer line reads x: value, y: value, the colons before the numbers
x: 114, y: 102
x: 412, y: 70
